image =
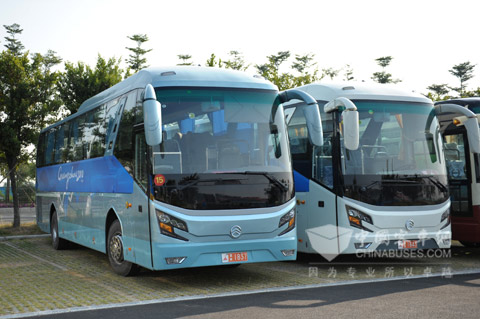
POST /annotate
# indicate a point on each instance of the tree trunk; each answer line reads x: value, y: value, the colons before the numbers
x: 7, y: 191
x: 13, y: 180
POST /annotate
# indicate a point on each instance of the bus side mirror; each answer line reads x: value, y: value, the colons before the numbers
x: 314, y: 124
x: 468, y: 119
x: 152, y: 117
x: 473, y: 134
x: 311, y: 113
x: 350, y: 129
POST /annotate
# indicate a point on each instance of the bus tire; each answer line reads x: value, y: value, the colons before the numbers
x: 470, y: 244
x: 57, y: 242
x: 115, y: 252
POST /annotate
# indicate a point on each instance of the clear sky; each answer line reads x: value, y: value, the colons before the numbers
x: 426, y: 38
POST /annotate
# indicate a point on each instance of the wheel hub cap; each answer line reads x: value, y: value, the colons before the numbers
x: 116, y: 248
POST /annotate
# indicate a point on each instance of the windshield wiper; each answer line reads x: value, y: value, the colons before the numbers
x: 442, y: 187
x: 399, y: 181
x: 269, y: 176
x: 210, y: 180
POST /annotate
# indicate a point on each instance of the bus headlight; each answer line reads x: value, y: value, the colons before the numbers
x: 168, y: 223
x: 445, y: 215
x: 355, y: 217
x: 287, y: 218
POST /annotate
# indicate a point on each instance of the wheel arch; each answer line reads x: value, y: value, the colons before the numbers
x: 53, y: 209
x: 111, y: 217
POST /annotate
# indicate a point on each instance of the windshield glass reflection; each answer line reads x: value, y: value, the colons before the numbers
x: 222, y: 148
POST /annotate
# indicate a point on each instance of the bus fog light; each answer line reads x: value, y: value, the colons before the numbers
x: 288, y: 252
x: 447, y: 241
x: 362, y: 245
x: 175, y: 260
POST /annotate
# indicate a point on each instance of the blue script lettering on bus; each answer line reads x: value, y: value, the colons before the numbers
x: 105, y: 175
x: 76, y: 175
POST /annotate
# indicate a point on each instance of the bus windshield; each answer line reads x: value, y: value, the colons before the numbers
x: 222, y: 148
x: 400, y: 158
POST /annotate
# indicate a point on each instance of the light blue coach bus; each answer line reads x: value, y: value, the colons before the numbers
x: 172, y: 168
x: 379, y: 182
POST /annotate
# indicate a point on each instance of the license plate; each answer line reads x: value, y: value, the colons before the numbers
x: 407, y: 244
x: 234, y: 257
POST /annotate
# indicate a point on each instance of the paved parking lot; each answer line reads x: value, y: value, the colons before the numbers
x: 34, y: 277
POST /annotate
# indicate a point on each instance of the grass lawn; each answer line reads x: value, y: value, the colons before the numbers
x: 24, y: 229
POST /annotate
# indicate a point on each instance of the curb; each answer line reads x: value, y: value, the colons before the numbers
x: 5, y: 238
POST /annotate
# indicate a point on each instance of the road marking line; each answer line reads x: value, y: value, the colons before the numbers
x: 36, y: 257
x: 231, y: 294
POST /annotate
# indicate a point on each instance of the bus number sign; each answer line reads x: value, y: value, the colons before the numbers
x: 159, y: 180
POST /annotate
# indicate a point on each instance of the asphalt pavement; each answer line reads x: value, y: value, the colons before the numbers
x: 434, y: 297
x: 27, y: 215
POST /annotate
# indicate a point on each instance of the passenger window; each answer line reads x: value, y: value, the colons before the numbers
x: 140, y: 163
x: 50, y: 151
x: 76, y: 148
x: 59, y: 143
x: 311, y: 162
x: 66, y: 140
x: 41, y: 150
x: 95, y: 133
x: 123, y: 146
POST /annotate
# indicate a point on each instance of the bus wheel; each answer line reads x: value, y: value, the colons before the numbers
x: 469, y: 244
x: 57, y: 242
x: 115, y: 252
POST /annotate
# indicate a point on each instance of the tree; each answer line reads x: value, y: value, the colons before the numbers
x: 464, y: 72
x: 331, y: 72
x: 383, y: 76
x: 348, y: 73
x: 186, y: 58
x: 270, y: 71
x: 237, y: 62
x: 26, y: 100
x: 136, y: 60
x: 473, y: 93
x: 13, y: 44
x: 80, y: 82
x: 439, y: 92
x: 303, y: 65
x: 213, y: 62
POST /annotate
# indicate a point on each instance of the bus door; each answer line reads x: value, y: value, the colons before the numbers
x: 138, y: 214
x: 457, y: 156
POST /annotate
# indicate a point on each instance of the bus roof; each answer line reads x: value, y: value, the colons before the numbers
x: 468, y: 102
x: 179, y: 76
x: 362, y: 91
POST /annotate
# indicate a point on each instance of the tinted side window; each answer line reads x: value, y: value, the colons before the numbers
x: 76, y: 149
x: 477, y: 167
x: 124, y: 143
x: 311, y: 162
x: 59, y: 143
x: 41, y: 150
x: 50, y: 150
x: 94, y: 133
